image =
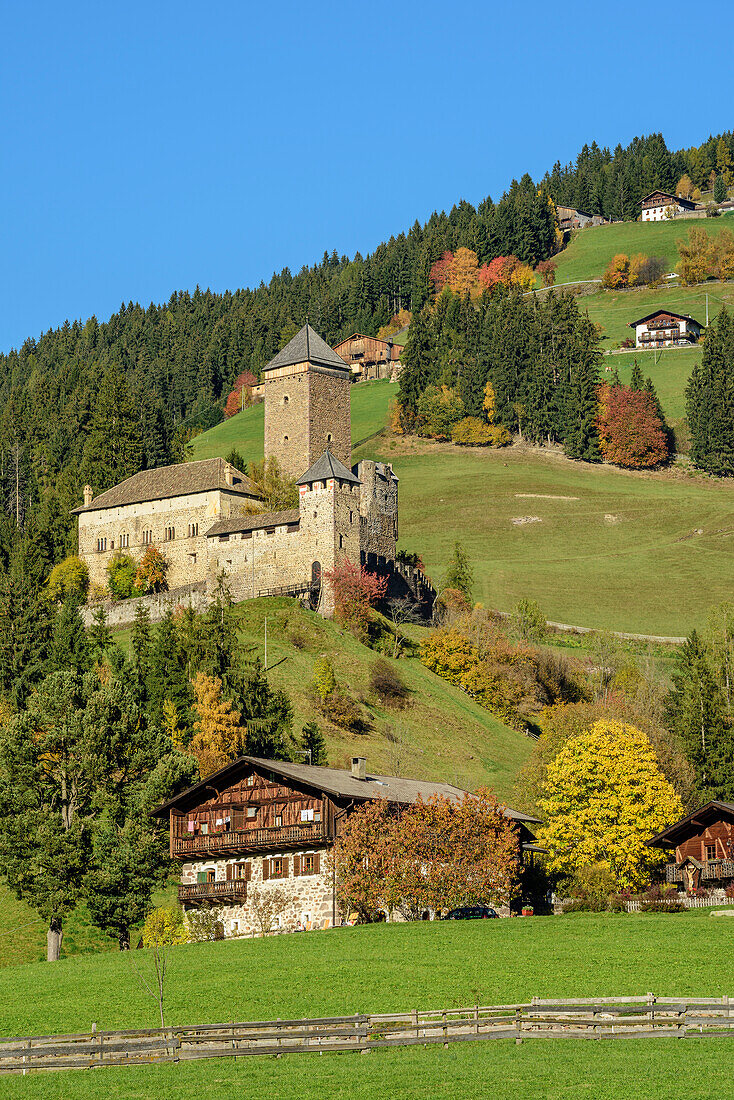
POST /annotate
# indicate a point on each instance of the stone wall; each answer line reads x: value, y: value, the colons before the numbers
x: 378, y: 511
x: 198, y: 595
x: 330, y: 418
x: 310, y: 897
x: 287, y: 418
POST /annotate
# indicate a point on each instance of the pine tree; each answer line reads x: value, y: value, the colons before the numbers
x: 69, y: 644
x: 113, y: 447
x: 419, y: 363
x: 167, y: 678
x: 99, y: 635
x: 269, y: 718
x: 26, y: 624
x: 720, y: 189
x: 710, y: 400
x: 140, y: 656
x: 636, y: 379
x: 459, y: 574
x: 314, y: 743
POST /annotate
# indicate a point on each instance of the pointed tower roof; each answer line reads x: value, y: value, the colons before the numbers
x: 325, y: 468
x: 307, y: 347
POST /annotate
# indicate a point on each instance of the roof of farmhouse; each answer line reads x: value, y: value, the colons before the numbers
x: 667, y: 312
x: 307, y: 347
x: 673, y: 198
x: 699, y: 819
x: 182, y: 479
x: 255, y: 523
x: 333, y: 781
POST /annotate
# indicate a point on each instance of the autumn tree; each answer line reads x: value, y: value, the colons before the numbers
x: 69, y: 577
x: 684, y: 186
x: 276, y: 489
x: 241, y: 395
x: 547, y: 271
x: 463, y: 272
x: 152, y: 571
x: 605, y: 797
x: 218, y: 734
x: 399, y: 321
x: 440, y: 273
x: 616, y: 273
x: 631, y: 433
x: 355, y: 592
x: 696, y: 256
x: 439, y: 408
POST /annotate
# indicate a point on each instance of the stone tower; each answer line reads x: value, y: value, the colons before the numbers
x: 329, y: 497
x: 307, y: 407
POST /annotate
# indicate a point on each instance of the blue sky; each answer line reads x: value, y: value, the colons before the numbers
x: 150, y: 147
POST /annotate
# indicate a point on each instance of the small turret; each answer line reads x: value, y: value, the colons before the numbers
x: 87, y: 495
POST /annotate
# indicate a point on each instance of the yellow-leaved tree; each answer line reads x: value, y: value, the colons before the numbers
x: 219, y: 736
x: 605, y: 796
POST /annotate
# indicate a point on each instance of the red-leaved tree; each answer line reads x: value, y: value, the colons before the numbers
x: 631, y: 433
x: 237, y: 399
x: 435, y: 854
x: 355, y: 592
x: 440, y: 273
x: 498, y: 270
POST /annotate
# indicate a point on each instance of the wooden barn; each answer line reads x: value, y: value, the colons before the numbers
x: 703, y: 843
x: 369, y: 357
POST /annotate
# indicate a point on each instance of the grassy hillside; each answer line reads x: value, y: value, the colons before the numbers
x: 623, y: 554
x: 379, y: 968
x: 591, y: 249
x: 244, y: 431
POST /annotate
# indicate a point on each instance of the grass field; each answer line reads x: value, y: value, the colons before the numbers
x: 590, y: 250
x: 244, y: 431
x: 621, y: 555
x: 380, y: 968
x: 540, y: 1070
x: 390, y: 968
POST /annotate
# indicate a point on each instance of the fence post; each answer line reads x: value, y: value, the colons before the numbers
x: 415, y: 1023
x: 445, y: 1033
x: 518, y: 1027
x: 476, y: 1019
x: 279, y: 1040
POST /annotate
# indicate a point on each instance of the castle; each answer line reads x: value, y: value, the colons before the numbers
x: 200, y: 514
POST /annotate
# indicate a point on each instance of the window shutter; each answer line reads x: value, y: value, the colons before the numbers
x: 316, y: 863
x: 296, y: 865
x: 230, y: 872
x: 266, y: 870
x: 201, y: 876
x: 285, y: 866
x: 248, y: 872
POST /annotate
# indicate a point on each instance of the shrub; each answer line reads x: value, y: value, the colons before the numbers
x: 151, y: 572
x: 203, y: 925
x: 324, y: 681
x: 344, y: 712
x: 661, y: 906
x: 388, y: 685
x: 473, y: 432
x: 529, y: 621
x: 121, y: 571
x: 69, y: 577
x: 438, y: 410
x: 164, y: 927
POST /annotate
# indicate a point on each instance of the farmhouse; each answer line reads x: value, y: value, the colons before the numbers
x: 571, y: 218
x: 703, y: 843
x: 369, y: 357
x: 207, y: 520
x: 665, y: 329
x: 659, y: 204
x: 258, y: 824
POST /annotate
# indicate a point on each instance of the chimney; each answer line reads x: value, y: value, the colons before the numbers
x: 228, y: 473
x: 87, y: 495
x: 359, y: 767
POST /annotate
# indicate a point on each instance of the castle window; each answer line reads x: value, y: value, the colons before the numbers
x: 193, y: 530
x: 285, y: 438
x: 170, y: 534
x: 285, y: 398
x: 329, y: 437
x: 351, y: 517
x: 101, y: 544
x: 124, y: 540
x: 112, y: 544
x: 192, y: 559
x: 224, y: 538
x: 147, y: 537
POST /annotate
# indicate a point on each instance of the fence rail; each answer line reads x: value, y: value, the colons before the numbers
x: 583, y: 1018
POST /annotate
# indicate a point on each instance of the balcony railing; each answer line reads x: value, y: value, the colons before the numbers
x: 711, y: 870
x: 234, y: 891
x: 287, y: 836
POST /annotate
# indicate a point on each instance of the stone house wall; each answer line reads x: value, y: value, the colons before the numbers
x: 123, y: 529
x: 311, y: 897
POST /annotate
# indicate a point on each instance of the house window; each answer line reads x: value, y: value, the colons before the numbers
x: 251, y: 781
x: 147, y: 537
x: 278, y: 820
x: 329, y: 437
x: 276, y: 868
x: 710, y: 851
x: 124, y: 540
x: 317, y: 815
x: 170, y: 534
x: 308, y: 865
x: 252, y: 811
x: 101, y: 544
x: 211, y: 875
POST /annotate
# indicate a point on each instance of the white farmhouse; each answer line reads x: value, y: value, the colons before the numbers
x: 659, y: 205
x: 665, y: 329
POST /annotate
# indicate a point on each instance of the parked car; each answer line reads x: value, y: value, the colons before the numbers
x: 471, y: 912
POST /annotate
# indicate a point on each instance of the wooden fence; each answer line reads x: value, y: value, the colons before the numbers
x: 584, y: 1018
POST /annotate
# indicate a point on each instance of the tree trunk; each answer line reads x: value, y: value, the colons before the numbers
x: 54, y: 937
x: 123, y: 939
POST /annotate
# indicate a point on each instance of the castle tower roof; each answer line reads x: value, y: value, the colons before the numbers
x: 307, y: 347
x: 325, y: 468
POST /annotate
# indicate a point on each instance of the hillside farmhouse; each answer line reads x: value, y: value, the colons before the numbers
x: 665, y: 329
x: 659, y: 205
x: 703, y: 843
x: 570, y: 218
x: 260, y: 824
x: 207, y: 520
x: 369, y: 357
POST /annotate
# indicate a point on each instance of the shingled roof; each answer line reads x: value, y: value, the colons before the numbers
x: 254, y: 523
x: 338, y: 782
x: 307, y: 347
x: 325, y: 468
x: 172, y: 481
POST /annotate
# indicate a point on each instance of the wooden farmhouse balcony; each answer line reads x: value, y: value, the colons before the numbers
x: 247, y: 840
x: 711, y: 870
x: 233, y: 892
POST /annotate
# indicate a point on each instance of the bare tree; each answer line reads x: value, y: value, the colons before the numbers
x: 154, y: 985
x: 400, y: 612
x: 267, y: 905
